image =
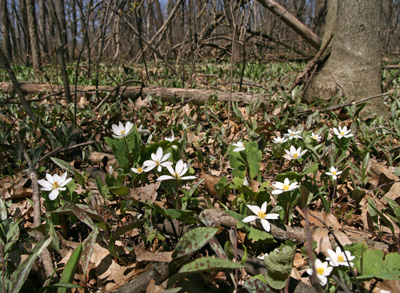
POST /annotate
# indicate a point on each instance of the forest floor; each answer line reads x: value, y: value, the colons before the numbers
x: 184, y: 225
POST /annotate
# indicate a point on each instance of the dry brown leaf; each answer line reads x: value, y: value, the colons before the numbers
x: 147, y: 193
x: 144, y: 255
x: 209, y: 183
x: 97, y: 158
x: 153, y: 288
x: 379, y: 174
x: 393, y: 193
x: 299, y: 261
x: 321, y: 237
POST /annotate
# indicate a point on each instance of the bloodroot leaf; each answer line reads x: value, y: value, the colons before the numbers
x: 204, y: 264
x: 193, y: 240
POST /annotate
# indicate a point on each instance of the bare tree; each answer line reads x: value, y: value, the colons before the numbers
x: 33, y: 36
x: 5, y: 27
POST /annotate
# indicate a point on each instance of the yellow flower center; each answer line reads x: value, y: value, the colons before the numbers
x: 261, y: 214
x: 292, y: 134
x: 55, y: 185
x: 320, y: 271
x: 333, y: 172
x: 285, y: 187
x: 340, y: 258
x: 140, y: 170
x: 157, y: 163
x: 342, y: 133
x: 295, y: 155
x: 122, y: 131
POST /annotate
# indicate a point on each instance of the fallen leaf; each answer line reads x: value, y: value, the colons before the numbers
x: 144, y: 255
x: 147, y: 193
x: 321, y: 237
x: 209, y: 183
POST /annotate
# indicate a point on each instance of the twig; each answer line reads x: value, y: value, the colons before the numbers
x: 59, y: 149
x: 45, y: 255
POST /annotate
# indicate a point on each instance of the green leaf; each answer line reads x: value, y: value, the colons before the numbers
x: 257, y: 284
x: 375, y: 267
x: 258, y: 235
x: 120, y: 191
x: 87, y: 249
x: 382, y: 216
x: 70, y: 268
x: 279, y: 265
x: 193, y: 241
x: 204, y: 264
x: 19, y: 276
x: 64, y: 165
x: 311, y: 169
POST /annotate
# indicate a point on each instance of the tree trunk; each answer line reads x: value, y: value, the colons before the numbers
x: 33, y: 36
x: 5, y: 28
x: 60, y: 10
x: 353, y: 69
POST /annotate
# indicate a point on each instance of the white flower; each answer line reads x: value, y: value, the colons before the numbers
x: 338, y: 258
x: 120, y: 130
x: 246, y: 181
x: 54, y: 184
x: 262, y: 215
x: 138, y: 170
x: 141, y: 129
x: 384, y: 291
x: 333, y: 172
x: 239, y: 146
x: 293, y: 134
x: 342, y: 132
x: 170, y: 139
x: 180, y: 169
x: 261, y: 257
x: 316, y: 137
x: 284, y: 187
x: 279, y: 139
x: 322, y: 270
x: 158, y: 159
x: 292, y: 153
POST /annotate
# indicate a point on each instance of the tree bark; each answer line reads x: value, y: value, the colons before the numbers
x: 353, y: 69
x: 5, y: 28
x: 197, y: 96
x: 60, y: 50
x: 33, y: 36
x: 292, y: 22
x: 60, y: 10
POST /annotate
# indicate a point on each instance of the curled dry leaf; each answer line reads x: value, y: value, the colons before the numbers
x: 147, y: 193
x: 144, y: 255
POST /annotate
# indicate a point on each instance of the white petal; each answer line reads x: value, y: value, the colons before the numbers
x: 65, y: 182
x: 179, y: 167
x: 53, y: 194
x: 255, y: 209
x: 266, y: 225
x: 46, y: 184
x: 159, y: 154
x: 322, y: 279
x: 332, y: 258
x: 277, y: 191
x: 170, y: 169
x: 264, y: 207
x: 165, y: 177
x: 149, y: 163
x: 165, y: 157
x: 49, y: 178
x: 188, y: 177
x: 272, y: 216
x: 249, y: 219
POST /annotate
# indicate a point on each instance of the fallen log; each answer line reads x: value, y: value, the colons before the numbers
x: 195, y: 95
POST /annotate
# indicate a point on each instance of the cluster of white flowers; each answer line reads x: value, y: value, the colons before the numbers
x: 339, y: 132
x: 335, y: 259
x: 54, y: 184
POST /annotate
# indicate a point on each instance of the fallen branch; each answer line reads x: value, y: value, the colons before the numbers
x: 196, y: 95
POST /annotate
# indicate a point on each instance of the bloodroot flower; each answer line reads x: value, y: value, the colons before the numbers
x: 180, y: 169
x: 54, y: 184
x: 333, y: 172
x: 262, y: 215
x: 279, y: 139
x: 322, y: 271
x: 293, y: 154
x: 284, y: 187
x: 338, y: 258
x: 342, y: 132
x: 293, y: 134
x: 158, y: 160
x: 120, y: 130
x: 239, y: 146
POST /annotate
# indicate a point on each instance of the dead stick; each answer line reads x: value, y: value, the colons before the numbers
x: 45, y: 255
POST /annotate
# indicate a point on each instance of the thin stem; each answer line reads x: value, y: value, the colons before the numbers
x: 127, y: 149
